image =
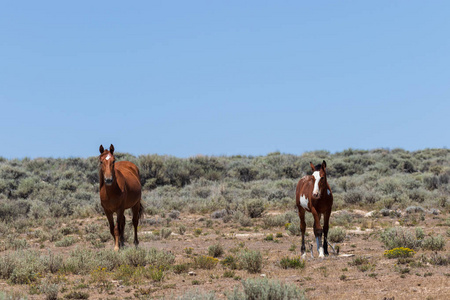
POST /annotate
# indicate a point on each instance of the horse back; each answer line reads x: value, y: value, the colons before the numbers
x: 128, y: 175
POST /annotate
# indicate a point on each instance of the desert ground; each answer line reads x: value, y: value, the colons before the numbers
x: 336, y: 276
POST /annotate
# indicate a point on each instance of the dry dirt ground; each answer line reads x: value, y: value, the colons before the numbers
x: 331, y: 278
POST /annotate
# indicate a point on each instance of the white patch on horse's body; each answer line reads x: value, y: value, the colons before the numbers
x: 304, y: 202
x: 328, y: 192
x: 108, y: 157
x: 316, y: 175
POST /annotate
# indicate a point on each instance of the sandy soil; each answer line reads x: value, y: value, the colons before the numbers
x: 332, y: 277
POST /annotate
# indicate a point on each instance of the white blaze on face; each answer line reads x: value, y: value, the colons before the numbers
x: 108, y: 157
x: 304, y: 202
x: 316, y: 175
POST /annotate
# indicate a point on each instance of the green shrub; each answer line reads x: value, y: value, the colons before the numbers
x: 215, y: 250
x: 269, y: 237
x: 294, y: 263
x: 255, y: 208
x: 165, y: 233
x: 205, y: 262
x: 53, y: 263
x: 181, y: 229
x: 434, y: 243
x: 294, y: 228
x: 155, y: 274
x: 77, y: 295
x: 251, y: 260
x: 336, y: 235
x: 265, y: 289
x: 67, y: 241
x: 420, y: 234
x: 396, y: 237
x: 160, y: 258
x: 274, y: 221
x: 439, y: 260
x: 80, y: 261
x: 230, y: 261
x: 180, y: 268
x: 135, y: 256
x: 50, y: 290
x: 196, y: 295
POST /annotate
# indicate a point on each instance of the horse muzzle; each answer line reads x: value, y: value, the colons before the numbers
x: 109, y: 181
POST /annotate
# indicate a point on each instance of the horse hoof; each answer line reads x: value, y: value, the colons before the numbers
x: 116, y: 248
x: 304, y: 256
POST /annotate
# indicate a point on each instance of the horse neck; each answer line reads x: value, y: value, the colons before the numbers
x: 323, y: 192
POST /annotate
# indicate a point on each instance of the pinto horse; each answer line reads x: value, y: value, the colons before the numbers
x: 120, y: 189
x: 314, y: 195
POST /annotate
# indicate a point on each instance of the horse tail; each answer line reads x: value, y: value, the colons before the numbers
x: 141, y: 210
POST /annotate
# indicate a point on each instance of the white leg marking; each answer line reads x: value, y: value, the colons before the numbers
x: 304, y: 256
x: 321, y: 252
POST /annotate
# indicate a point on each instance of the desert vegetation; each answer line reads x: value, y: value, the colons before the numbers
x: 223, y: 227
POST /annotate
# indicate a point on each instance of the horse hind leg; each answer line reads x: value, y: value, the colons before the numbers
x: 137, y: 213
x: 301, y: 215
x: 122, y: 232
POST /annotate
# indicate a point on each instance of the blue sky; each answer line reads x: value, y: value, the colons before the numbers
x: 222, y: 77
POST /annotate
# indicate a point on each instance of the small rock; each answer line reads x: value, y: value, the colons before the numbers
x: 370, y: 214
x: 192, y: 273
x: 263, y: 275
x: 434, y: 211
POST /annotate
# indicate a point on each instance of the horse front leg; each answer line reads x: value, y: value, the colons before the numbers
x: 120, y: 240
x: 301, y: 214
x: 318, y: 232
x: 112, y: 230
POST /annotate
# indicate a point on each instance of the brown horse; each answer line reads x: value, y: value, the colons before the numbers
x: 120, y: 189
x: 314, y: 195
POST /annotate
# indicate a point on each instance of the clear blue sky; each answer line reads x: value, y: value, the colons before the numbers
x: 222, y: 77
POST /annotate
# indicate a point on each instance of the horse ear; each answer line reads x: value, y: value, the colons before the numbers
x: 324, y: 165
x: 312, y: 167
x: 101, y: 149
x: 111, y: 149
